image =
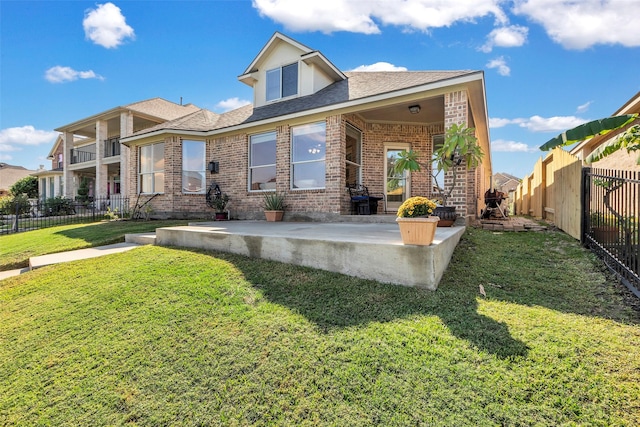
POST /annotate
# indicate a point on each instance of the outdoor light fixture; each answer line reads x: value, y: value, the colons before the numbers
x: 214, y: 167
x: 414, y: 109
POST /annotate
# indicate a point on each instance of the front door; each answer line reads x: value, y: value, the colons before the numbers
x: 397, y: 185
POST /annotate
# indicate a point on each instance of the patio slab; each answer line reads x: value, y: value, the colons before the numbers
x: 366, y: 250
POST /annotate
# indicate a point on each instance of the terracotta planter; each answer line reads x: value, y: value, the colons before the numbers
x: 222, y: 216
x: 274, y: 215
x: 447, y: 215
x: 418, y: 231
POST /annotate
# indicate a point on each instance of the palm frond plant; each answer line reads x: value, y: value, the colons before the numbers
x: 460, y: 145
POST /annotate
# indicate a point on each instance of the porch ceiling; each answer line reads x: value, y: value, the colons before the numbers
x: 431, y: 111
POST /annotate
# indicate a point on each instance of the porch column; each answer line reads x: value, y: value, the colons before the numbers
x: 126, y: 129
x: 102, y: 170
x: 456, y: 112
x: 67, y: 175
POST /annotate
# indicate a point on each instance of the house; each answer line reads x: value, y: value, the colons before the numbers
x: 311, y: 130
x: 51, y: 181
x: 90, y: 148
x: 9, y: 175
x: 620, y: 160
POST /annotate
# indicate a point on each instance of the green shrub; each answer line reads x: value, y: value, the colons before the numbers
x: 11, y: 205
x: 58, y: 206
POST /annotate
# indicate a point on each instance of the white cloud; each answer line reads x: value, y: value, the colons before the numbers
x: 106, y: 26
x: 232, y: 104
x: 582, y: 24
x: 363, y: 16
x: 501, y: 65
x: 495, y: 122
x: 17, y: 138
x: 511, y: 36
x: 511, y: 146
x: 584, y: 107
x: 379, y: 66
x: 539, y: 124
x: 59, y: 74
x: 551, y: 124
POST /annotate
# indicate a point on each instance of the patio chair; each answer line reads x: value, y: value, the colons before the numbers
x: 362, y: 203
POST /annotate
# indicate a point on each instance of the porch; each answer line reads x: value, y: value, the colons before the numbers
x: 370, y: 250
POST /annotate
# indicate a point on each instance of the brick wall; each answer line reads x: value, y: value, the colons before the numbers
x: 232, y: 154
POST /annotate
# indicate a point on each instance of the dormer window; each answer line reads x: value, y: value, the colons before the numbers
x: 282, y: 82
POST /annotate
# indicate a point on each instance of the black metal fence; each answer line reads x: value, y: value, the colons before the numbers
x: 611, y: 208
x: 25, y: 215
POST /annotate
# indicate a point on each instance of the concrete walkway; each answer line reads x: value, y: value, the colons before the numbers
x: 41, y: 261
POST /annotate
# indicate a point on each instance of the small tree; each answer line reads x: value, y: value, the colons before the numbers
x: 460, y: 144
x: 83, y: 191
x: 27, y: 185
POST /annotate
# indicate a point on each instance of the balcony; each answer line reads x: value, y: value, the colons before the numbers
x: 112, y: 147
x: 85, y: 154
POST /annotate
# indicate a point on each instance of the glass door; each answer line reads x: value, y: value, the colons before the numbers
x: 397, y: 185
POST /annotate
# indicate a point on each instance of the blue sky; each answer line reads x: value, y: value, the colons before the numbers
x: 549, y: 64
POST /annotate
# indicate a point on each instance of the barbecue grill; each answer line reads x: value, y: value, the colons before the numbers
x: 493, y: 199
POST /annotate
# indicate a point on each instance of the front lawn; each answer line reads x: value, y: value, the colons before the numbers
x: 168, y: 336
x: 16, y: 249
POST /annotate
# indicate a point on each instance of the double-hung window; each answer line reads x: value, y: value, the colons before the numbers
x: 262, y: 161
x: 353, y: 159
x: 282, y: 82
x: 308, y: 154
x: 151, y: 168
x: 193, y: 166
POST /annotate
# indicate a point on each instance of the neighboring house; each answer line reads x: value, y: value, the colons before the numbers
x: 620, y: 160
x: 51, y: 182
x: 9, y: 175
x: 312, y: 129
x: 505, y: 182
x: 90, y: 148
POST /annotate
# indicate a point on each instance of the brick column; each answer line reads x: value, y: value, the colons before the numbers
x: 69, y: 185
x: 126, y: 168
x: 456, y: 112
x: 102, y: 171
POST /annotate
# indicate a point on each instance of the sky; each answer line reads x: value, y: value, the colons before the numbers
x: 549, y: 65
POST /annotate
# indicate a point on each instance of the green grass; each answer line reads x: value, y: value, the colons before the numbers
x: 16, y: 249
x: 167, y: 336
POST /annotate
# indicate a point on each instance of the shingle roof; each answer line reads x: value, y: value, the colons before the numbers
x: 359, y: 85
x: 158, y: 107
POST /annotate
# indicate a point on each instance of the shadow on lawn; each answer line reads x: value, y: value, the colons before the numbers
x: 333, y: 301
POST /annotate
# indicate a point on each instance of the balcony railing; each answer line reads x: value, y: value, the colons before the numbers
x: 81, y: 156
x: 112, y: 147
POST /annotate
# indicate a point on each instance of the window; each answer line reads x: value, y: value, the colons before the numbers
x: 262, y: 161
x: 353, y: 157
x: 308, y: 151
x: 193, y: 166
x: 60, y: 164
x: 151, y: 168
x: 282, y: 82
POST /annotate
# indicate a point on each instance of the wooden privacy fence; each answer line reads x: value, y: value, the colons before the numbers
x: 552, y: 192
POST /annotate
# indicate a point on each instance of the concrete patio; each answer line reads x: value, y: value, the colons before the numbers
x: 367, y: 250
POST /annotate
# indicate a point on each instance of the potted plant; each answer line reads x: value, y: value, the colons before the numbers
x: 219, y: 203
x: 273, y: 204
x: 417, y: 225
x: 460, y: 145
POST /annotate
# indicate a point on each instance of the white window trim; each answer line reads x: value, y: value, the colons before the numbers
x: 249, y: 160
x: 204, y: 171
x: 292, y: 163
x: 280, y: 97
x: 140, y: 173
